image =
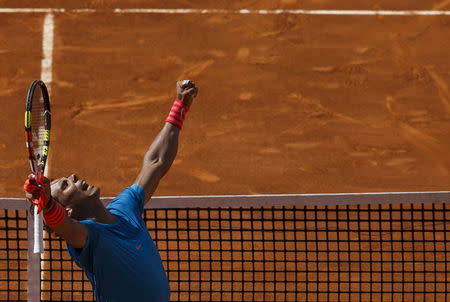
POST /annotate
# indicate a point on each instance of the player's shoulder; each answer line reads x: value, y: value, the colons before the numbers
x: 130, y: 193
x: 129, y: 204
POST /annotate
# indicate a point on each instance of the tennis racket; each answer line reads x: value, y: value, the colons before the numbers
x: 37, y: 138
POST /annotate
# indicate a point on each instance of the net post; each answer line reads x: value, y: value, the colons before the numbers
x: 34, y: 264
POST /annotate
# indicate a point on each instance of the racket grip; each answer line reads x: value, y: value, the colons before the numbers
x: 38, y: 232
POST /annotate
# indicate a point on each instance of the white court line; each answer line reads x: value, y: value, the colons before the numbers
x: 47, y: 50
x: 36, y: 266
x: 28, y: 10
x: 284, y: 11
x: 47, y: 71
x: 230, y: 11
x: 46, y: 76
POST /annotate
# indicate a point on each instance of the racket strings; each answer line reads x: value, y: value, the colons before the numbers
x: 38, y: 124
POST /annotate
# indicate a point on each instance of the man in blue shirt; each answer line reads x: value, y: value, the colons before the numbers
x: 112, y: 243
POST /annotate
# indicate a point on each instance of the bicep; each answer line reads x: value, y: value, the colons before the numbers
x: 73, y: 232
x: 149, y: 177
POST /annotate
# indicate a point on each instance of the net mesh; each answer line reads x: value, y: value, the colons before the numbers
x: 313, y: 253
x: 14, y: 255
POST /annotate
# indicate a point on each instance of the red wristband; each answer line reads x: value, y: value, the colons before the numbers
x: 55, y: 216
x: 177, y: 114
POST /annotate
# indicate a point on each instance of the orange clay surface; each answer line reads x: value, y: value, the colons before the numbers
x: 287, y: 103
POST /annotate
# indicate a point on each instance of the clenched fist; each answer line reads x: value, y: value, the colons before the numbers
x: 186, y: 91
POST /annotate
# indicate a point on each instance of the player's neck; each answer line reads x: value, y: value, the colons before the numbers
x: 102, y: 215
x: 95, y: 210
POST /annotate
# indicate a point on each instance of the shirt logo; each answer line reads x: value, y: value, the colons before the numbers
x: 138, y: 247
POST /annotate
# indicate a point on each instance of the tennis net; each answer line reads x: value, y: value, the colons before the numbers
x: 269, y: 248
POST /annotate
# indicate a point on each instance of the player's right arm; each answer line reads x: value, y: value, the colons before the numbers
x: 71, y: 230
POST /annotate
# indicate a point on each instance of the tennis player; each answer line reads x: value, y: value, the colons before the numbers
x: 111, y: 244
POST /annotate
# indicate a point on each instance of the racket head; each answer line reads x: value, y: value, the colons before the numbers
x: 37, y: 126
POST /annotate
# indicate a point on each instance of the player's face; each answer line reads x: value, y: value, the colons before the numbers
x: 71, y: 190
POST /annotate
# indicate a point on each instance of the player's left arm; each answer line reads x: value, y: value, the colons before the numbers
x: 162, y: 152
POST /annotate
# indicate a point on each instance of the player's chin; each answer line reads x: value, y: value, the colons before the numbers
x: 94, y: 191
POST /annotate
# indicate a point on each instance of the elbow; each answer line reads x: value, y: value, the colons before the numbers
x: 156, y: 164
x: 150, y: 161
x: 153, y: 159
x: 158, y: 161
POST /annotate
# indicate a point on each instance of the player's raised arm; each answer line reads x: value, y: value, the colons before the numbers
x: 163, y: 150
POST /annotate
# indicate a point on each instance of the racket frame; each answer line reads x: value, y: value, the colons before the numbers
x: 37, y: 165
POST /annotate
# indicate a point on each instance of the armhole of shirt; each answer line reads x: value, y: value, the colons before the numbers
x: 141, y: 194
x: 130, y: 206
x: 82, y: 254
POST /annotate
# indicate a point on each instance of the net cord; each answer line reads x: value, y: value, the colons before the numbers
x: 267, y: 200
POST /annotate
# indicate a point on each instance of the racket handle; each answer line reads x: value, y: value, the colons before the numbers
x: 38, y: 232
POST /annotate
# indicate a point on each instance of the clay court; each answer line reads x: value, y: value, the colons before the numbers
x: 288, y: 103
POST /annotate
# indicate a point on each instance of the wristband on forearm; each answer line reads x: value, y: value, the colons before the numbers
x: 55, y: 215
x: 177, y: 114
